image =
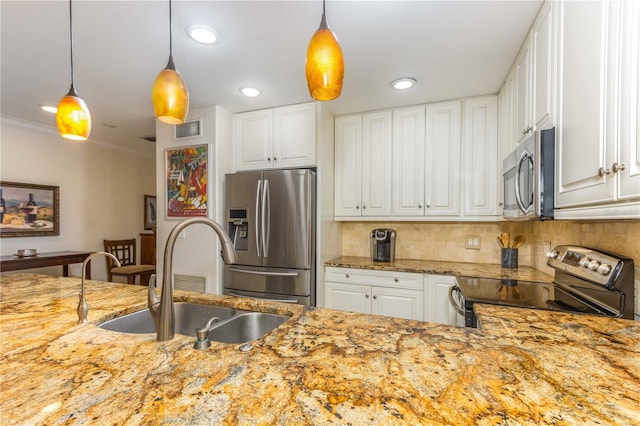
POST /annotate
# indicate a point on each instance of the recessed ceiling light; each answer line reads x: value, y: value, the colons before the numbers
x: 202, y: 34
x: 403, y: 83
x: 249, y: 91
x: 48, y: 108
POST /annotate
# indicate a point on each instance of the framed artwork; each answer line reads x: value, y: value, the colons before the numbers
x: 29, y: 210
x: 150, y: 212
x: 186, y: 181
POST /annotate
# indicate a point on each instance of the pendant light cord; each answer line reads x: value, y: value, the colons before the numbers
x: 170, y: 38
x: 323, y: 22
x: 71, y: 43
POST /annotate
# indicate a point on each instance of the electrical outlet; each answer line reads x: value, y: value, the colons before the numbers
x: 472, y: 242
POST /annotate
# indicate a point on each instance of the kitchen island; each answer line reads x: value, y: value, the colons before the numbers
x: 320, y: 367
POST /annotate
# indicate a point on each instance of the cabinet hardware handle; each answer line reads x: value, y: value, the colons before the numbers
x: 419, y: 206
x: 615, y: 168
x: 346, y: 275
x: 375, y: 297
x: 364, y: 207
x: 275, y: 159
x: 396, y: 280
x: 366, y: 296
x: 357, y: 207
x: 524, y: 132
x: 602, y: 171
x: 428, y: 205
x: 268, y: 158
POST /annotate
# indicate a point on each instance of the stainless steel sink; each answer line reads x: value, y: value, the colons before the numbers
x: 189, y: 316
x: 245, y: 326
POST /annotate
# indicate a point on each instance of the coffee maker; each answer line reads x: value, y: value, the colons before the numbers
x: 383, y: 245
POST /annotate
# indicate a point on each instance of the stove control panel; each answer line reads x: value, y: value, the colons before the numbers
x: 585, y: 263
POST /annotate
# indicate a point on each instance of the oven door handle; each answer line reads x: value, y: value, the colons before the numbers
x: 233, y: 293
x: 452, y: 299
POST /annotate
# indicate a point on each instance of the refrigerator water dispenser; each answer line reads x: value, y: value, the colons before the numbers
x: 239, y: 228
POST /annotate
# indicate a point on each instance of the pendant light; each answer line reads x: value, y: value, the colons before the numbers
x: 73, y: 117
x: 170, y: 95
x: 325, y: 65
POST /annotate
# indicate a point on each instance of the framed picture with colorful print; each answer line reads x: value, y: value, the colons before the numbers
x: 186, y: 181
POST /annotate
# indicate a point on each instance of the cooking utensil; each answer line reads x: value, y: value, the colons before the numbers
x: 505, y: 237
x: 518, y: 240
x: 499, y: 242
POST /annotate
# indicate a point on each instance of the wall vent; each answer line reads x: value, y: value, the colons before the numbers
x: 190, y: 282
x: 189, y: 129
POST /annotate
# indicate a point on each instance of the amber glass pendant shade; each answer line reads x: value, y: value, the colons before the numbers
x: 170, y: 96
x: 325, y: 64
x: 73, y: 117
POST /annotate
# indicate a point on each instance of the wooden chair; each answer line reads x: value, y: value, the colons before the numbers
x: 125, y: 251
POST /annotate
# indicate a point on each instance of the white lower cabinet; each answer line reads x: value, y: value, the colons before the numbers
x: 437, y: 307
x: 396, y: 294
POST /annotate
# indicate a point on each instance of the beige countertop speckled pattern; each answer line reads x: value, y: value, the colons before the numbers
x: 321, y: 367
x: 437, y: 267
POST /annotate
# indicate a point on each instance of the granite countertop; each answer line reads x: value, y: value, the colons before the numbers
x: 320, y: 367
x: 469, y: 269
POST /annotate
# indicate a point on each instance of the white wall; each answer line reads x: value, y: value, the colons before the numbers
x: 102, y: 189
x: 198, y: 252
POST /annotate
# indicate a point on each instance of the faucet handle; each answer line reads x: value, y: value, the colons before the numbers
x: 152, y: 297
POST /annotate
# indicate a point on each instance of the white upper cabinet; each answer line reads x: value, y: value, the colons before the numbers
x: 479, y: 166
x: 629, y: 147
x: 376, y: 163
x: 348, y: 165
x: 597, y: 139
x: 408, y: 162
x: 534, y: 78
x: 442, y: 162
x: 543, y: 41
x: 426, y: 178
x: 522, y: 69
x: 363, y: 165
x: 281, y: 137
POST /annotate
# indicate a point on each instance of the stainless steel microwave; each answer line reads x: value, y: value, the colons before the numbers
x: 528, y: 176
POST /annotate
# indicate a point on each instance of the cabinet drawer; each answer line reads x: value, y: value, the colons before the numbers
x: 375, y: 278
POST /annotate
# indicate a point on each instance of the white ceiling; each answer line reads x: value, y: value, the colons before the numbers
x: 453, y: 48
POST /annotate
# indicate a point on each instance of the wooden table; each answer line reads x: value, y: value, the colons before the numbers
x: 64, y: 258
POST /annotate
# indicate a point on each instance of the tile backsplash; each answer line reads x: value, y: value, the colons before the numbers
x: 446, y: 241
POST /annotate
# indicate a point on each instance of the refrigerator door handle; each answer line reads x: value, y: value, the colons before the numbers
x: 266, y: 218
x: 233, y: 293
x: 257, y: 225
x: 272, y: 274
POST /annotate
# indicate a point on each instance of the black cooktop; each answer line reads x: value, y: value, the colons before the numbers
x: 519, y: 293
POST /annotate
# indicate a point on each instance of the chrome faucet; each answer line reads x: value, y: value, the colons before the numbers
x: 161, y: 308
x: 83, y: 308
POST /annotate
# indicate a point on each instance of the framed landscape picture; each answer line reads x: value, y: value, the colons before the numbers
x: 29, y: 210
x: 186, y: 181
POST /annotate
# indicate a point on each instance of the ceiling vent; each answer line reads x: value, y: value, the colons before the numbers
x: 190, y: 129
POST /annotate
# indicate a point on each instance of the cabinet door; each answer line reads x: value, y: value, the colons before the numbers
x: 348, y: 297
x: 408, y: 161
x: 629, y: 152
x: 348, y: 162
x: 294, y: 141
x: 442, y: 162
x: 376, y: 164
x: 253, y: 140
x: 542, y: 90
x: 397, y: 302
x: 522, y: 69
x: 438, y: 308
x: 480, y: 170
x: 585, y: 118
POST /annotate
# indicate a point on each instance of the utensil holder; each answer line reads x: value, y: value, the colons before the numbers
x: 510, y: 258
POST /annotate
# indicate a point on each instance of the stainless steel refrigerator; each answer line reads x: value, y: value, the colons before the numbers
x: 270, y: 217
